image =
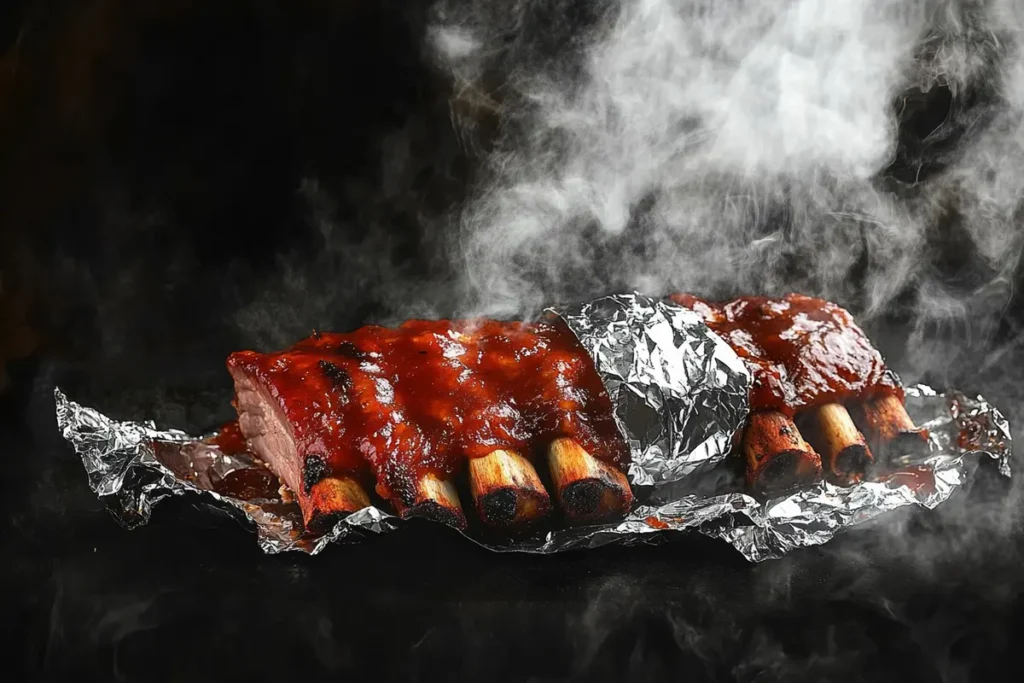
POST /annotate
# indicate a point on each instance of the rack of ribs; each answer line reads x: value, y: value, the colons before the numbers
x: 813, y: 366
x: 411, y: 408
x: 519, y: 410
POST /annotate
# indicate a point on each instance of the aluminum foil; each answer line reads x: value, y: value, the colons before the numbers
x: 679, y: 395
x: 679, y: 392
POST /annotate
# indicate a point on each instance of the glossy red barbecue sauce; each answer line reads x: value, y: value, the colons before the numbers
x: 426, y: 395
x: 919, y: 479
x: 802, y: 351
x: 229, y: 439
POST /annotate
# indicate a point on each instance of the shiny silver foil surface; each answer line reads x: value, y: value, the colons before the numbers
x: 679, y: 392
x: 679, y: 395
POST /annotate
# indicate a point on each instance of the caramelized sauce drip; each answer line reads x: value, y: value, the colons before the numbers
x: 802, y: 351
x: 655, y: 523
x: 919, y: 479
x: 428, y: 394
x: 229, y: 439
x: 249, y: 484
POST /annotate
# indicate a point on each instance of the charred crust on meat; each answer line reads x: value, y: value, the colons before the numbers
x: 316, y: 469
x: 500, y: 507
x: 338, y: 377
x: 583, y: 498
x: 349, y: 350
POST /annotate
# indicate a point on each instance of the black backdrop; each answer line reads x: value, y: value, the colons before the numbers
x: 153, y: 174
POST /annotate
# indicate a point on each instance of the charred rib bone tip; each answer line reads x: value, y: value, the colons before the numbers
x: 844, y: 453
x: 436, y: 499
x: 507, y: 490
x: 332, y: 499
x: 889, y: 427
x: 776, y: 453
x: 587, y: 489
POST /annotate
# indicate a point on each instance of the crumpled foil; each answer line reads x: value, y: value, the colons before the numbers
x: 678, y: 391
x: 679, y: 395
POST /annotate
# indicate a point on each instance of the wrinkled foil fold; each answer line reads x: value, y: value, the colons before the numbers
x: 679, y: 393
x: 680, y: 396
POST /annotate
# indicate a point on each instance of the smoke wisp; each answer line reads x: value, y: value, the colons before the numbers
x: 736, y: 147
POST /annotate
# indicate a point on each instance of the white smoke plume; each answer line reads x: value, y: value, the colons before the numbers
x: 738, y: 147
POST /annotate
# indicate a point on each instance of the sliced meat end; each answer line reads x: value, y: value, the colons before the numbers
x: 323, y: 496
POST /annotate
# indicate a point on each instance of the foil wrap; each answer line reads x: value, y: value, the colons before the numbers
x: 679, y: 395
x: 678, y: 391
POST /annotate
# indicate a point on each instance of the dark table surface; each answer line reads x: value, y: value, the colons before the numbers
x: 923, y: 596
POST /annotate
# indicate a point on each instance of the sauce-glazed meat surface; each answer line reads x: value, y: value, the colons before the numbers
x: 396, y: 403
x: 804, y: 352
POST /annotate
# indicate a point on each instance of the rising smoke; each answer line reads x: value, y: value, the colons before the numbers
x: 736, y: 147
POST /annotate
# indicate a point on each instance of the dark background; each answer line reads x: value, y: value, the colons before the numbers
x: 155, y: 184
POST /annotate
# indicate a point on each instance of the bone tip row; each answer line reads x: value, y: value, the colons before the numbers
x: 506, y: 489
x: 508, y: 493
x: 778, y: 456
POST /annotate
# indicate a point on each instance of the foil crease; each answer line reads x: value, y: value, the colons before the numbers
x: 679, y: 395
x: 679, y: 392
